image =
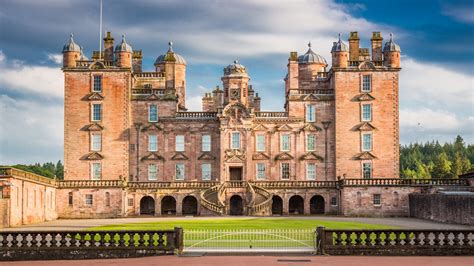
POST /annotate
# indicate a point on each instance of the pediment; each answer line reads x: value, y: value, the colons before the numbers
x: 310, y: 97
x: 153, y: 156
x: 235, y: 160
x: 310, y: 127
x: 234, y: 156
x: 260, y: 156
x: 206, y: 156
x: 260, y: 127
x: 94, y: 127
x: 207, y: 128
x: 365, y: 126
x: 364, y: 97
x: 180, y: 128
x: 179, y: 156
x: 93, y: 156
x: 365, y: 156
x: 311, y: 156
x: 284, y: 127
x: 152, y: 97
x: 283, y: 156
x: 97, y: 65
x: 152, y: 126
x: 95, y: 96
x: 366, y: 65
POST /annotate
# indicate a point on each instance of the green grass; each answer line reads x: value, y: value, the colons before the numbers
x: 244, y: 223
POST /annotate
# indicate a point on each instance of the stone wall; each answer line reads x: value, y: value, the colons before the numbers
x: 443, y: 207
x: 106, y: 203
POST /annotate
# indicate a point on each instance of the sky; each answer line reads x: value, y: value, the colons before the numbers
x: 436, y: 39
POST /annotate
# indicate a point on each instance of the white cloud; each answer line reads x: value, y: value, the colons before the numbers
x: 463, y: 13
x: 424, y: 119
x: 56, y: 58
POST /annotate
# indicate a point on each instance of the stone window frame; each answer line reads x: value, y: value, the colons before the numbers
x: 150, y: 142
x: 89, y: 200
x: 333, y: 202
x: 130, y: 202
x: 313, y: 113
x: 259, y: 171
x: 107, y: 199
x: 282, y: 143
x: 101, y: 111
x: 308, y: 171
x: 181, y: 147
x: 257, y: 142
x: 362, y: 87
x: 93, y: 82
x: 239, y: 142
x: 150, y: 172
x: 362, y: 112
x: 377, y: 199
x: 362, y: 146
x: 204, y: 144
x: 203, y: 177
x: 92, y: 135
x: 371, y: 163
x: 92, y: 174
x: 282, y: 173
x: 70, y: 199
x: 150, y: 113
x: 307, y: 142
x: 183, y: 171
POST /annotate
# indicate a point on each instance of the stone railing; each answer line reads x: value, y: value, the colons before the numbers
x: 322, y: 75
x: 313, y: 91
x: 263, y: 206
x: 149, y: 75
x: 13, y: 172
x: 148, y: 91
x: 216, y: 207
x: 271, y: 114
x: 404, y: 182
x: 295, y: 184
x: 172, y: 185
x: 196, y: 115
x: 394, y: 242
x: 90, y: 183
x: 235, y: 184
x: 46, y: 245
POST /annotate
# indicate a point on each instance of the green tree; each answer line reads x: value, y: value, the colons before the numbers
x: 442, y: 166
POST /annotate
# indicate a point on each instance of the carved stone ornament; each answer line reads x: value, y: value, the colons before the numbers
x: 365, y: 156
x: 94, y: 127
x: 179, y: 156
x: 260, y: 156
x: 234, y: 155
x: 260, y: 127
x: 366, y: 65
x: 311, y: 156
x: 365, y: 126
x: 206, y: 156
x: 283, y: 156
x: 364, y: 97
x: 93, y: 156
x: 153, y: 156
x: 309, y: 127
x: 153, y: 127
x: 95, y: 96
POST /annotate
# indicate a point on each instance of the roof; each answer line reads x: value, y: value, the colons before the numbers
x: 391, y: 46
x: 71, y: 46
x: 170, y: 56
x: 311, y: 57
x: 339, y: 46
x: 123, y: 46
x: 235, y: 69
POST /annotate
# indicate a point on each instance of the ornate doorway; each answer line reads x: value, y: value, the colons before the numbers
x: 147, y: 206
x: 236, y: 205
x: 235, y: 173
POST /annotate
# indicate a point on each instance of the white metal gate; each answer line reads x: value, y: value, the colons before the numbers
x: 246, y: 240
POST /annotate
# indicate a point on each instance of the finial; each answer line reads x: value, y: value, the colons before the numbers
x: 71, y: 36
x: 391, y: 36
x: 123, y: 37
x: 339, y: 36
x: 309, y: 44
x: 236, y: 61
x: 170, y: 46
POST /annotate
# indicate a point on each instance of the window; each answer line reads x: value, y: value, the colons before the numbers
x: 96, y: 142
x: 180, y: 171
x: 333, y: 201
x: 152, y: 172
x: 366, y: 112
x: 310, y: 113
x: 97, y: 84
x: 311, y: 171
x: 367, y: 142
x: 1, y: 192
x: 130, y: 202
x: 206, y: 142
x: 285, y: 142
x: 152, y: 113
x: 152, y: 143
x: 377, y: 199
x: 260, y: 142
x: 235, y: 142
x: 206, y: 171
x: 310, y: 142
x: 96, y: 171
x: 367, y: 170
x: 366, y: 83
x: 89, y: 200
x: 179, y: 143
x: 96, y: 112
x: 261, y: 171
x: 285, y: 171
x: 70, y: 199
x: 107, y: 199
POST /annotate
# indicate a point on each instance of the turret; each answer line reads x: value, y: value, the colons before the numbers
x: 310, y: 64
x: 123, y: 54
x: 340, y: 54
x: 391, y: 53
x: 235, y: 83
x: 109, y: 47
x: 71, y: 53
x: 376, y: 42
x: 354, y: 46
x: 218, y: 95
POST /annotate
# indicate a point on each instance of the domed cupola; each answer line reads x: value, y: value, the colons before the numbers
x: 235, y: 69
x: 339, y: 46
x: 170, y: 56
x: 123, y: 46
x: 311, y: 57
x: 391, y: 46
x: 83, y: 57
x: 71, y: 46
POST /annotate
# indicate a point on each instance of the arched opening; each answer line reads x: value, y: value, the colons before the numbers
x: 296, y: 206
x: 168, y: 206
x: 316, y: 205
x: 277, y: 205
x: 147, y: 206
x: 236, y: 205
x: 189, y: 205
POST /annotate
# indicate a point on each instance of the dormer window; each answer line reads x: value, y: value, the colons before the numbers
x: 97, y: 84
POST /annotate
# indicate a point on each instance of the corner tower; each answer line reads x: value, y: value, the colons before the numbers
x: 235, y: 82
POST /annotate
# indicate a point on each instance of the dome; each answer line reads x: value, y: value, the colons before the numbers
x: 170, y: 56
x: 391, y: 46
x: 71, y: 46
x: 339, y: 46
x: 311, y: 57
x: 235, y: 69
x: 83, y: 57
x: 123, y: 46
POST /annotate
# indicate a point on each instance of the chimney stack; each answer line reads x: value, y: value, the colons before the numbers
x: 354, y: 46
x: 376, y: 41
x: 108, y: 47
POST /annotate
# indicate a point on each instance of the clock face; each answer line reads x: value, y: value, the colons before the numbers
x: 234, y: 94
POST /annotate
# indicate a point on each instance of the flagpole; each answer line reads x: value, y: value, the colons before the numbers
x: 100, y: 32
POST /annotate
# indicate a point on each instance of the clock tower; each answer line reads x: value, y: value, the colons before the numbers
x: 235, y: 82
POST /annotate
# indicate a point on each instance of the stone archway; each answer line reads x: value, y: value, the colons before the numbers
x: 190, y: 205
x: 316, y: 205
x: 147, y: 206
x: 168, y: 206
x: 277, y: 205
x: 236, y: 205
x: 296, y: 205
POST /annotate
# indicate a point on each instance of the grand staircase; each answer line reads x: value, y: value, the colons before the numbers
x: 259, y: 200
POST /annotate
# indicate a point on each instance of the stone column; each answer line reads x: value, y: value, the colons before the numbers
x: 179, y: 205
x: 285, y: 199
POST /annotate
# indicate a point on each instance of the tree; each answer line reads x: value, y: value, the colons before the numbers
x: 442, y: 166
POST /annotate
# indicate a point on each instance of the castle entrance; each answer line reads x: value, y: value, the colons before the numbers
x: 316, y: 205
x: 236, y: 205
x: 147, y: 206
x: 235, y: 173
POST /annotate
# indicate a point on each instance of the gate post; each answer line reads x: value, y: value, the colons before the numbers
x: 178, y: 240
x: 320, y: 232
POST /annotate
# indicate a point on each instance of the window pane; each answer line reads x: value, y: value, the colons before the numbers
x: 366, y: 112
x: 97, y: 84
x: 367, y: 170
x: 96, y: 112
x: 96, y: 142
x: 206, y: 142
x: 377, y: 199
x: 152, y: 113
x: 152, y: 143
x: 311, y: 171
x: 152, y: 172
x: 260, y: 171
x: 367, y: 142
x: 366, y: 83
x: 310, y: 113
x: 235, y: 140
x: 96, y: 171
x: 260, y: 142
x: 285, y: 171
x: 311, y: 142
x: 180, y: 143
x: 285, y: 142
x: 206, y: 171
x: 89, y: 199
x: 179, y: 171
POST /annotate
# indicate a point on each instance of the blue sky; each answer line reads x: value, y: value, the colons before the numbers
x: 436, y: 37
